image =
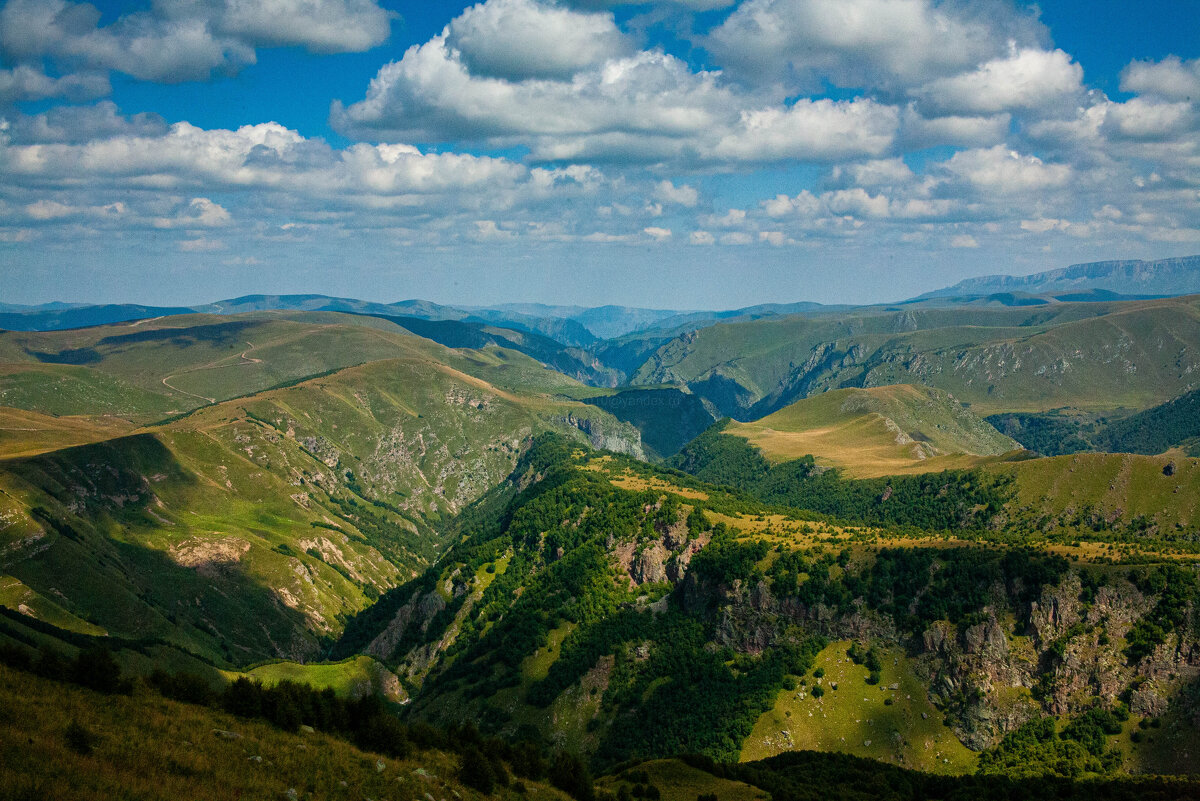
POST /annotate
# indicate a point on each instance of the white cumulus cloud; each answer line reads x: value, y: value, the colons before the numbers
x: 519, y: 39
x: 1025, y: 79
x: 1172, y: 78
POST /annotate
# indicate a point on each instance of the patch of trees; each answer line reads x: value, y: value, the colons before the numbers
x: 367, y: 722
x: 1047, y: 434
x: 1176, y: 422
x: 816, y: 776
x: 1039, y: 749
x: 685, y: 698
x: 950, y: 500
x: 1176, y: 588
x: 919, y: 586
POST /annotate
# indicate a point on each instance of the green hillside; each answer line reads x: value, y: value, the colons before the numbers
x: 1086, y: 355
x: 69, y: 743
x: 1173, y: 424
x: 1151, y: 497
x: 613, y: 609
x: 878, y: 431
x: 253, y: 528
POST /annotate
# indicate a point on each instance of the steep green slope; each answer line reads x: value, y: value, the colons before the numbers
x: 1091, y: 356
x: 623, y: 614
x: 667, y: 417
x: 878, y: 431
x: 253, y: 528
x: 1174, y: 424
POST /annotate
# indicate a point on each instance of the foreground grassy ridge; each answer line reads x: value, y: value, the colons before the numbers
x: 145, y: 747
x: 679, y: 781
x: 877, y: 432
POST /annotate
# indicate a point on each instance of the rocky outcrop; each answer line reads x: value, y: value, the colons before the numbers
x: 1012, y: 663
x: 608, y: 436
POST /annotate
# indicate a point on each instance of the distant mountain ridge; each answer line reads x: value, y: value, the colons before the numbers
x: 1178, y: 276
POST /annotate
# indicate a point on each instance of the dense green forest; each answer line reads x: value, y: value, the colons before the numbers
x: 813, y: 776
x: 1175, y: 423
x: 950, y: 500
x: 679, y: 677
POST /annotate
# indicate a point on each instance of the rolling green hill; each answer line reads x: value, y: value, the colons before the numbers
x: 253, y: 528
x: 876, y: 432
x: 1086, y: 355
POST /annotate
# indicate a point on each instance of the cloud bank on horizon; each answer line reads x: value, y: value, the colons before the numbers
x: 795, y: 134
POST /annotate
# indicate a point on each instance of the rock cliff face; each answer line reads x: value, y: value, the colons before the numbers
x: 1056, y: 655
x: 608, y: 436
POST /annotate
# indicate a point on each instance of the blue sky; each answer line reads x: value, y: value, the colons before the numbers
x: 683, y: 153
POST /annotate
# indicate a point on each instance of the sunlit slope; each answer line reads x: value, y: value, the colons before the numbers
x: 193, y: 360
x: 1090, y: 356
x: 253, y: 528
x: 623, y: 610
x: 878, y: 431
x: 1153, y: 496
x: 25, y: 433
x: 61, y: 389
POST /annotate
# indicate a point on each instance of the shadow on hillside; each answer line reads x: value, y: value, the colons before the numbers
x: 212, y: 608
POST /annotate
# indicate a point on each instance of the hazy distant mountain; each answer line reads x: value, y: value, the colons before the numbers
x: 61, y: 316
x: 581, y: 326
x: 1179, y: 276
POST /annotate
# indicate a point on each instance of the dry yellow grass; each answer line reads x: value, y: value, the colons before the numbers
x: 877, y: 432
x: 635, y: 483
x: 860, y: 448
x: 25, y: 433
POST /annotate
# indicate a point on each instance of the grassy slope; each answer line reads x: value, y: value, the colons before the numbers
x: 853, y: 719
x: 875, y: 432
x: 268, y: 508
x: 60, y: 389
x: 349, y: 678
x: 26, y: 433
x: 1094, y: 356
x: 191, y: 360
x: 1117, y: 488
x: 678, y: 781
x: 150, y: 748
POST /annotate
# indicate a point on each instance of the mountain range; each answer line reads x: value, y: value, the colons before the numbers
x: 954, y: 538
x: 582, y: 326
